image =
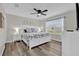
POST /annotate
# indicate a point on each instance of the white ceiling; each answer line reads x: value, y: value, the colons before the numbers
x: 26, y: 9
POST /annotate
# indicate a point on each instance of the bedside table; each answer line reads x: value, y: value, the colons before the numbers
x: 16, y: 37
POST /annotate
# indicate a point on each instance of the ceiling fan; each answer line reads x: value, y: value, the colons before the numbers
x: 39, y: 12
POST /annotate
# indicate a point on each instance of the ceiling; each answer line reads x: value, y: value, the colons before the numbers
x: 25, y: 9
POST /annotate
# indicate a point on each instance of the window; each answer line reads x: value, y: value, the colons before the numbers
x: 55, y: 25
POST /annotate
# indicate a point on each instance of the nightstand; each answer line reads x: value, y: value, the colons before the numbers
x: 16, y: 37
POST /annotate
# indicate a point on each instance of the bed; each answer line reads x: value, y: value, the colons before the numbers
x: 35, y: 39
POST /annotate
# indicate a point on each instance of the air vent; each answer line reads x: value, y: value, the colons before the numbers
x: 16, y: 5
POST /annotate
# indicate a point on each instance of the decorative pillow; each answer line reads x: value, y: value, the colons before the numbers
x: 29, y: 29
x: 25, y: 31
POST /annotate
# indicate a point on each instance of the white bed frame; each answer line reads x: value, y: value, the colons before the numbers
x: 32, y: 42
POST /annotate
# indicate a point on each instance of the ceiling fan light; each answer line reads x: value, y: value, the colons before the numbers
x: 39, y: 14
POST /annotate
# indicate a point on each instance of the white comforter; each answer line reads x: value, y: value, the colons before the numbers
x: 34, y: 35
x: 34, y: 39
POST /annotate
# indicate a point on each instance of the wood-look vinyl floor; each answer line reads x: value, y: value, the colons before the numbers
x: 19, y: 48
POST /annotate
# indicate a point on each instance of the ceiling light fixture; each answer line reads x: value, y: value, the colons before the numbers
x: 39, y: 12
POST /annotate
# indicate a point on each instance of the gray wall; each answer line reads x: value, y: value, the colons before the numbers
x: 17, y: 21
x: 2, y: 32
x: 69, y: 19
x: 70, y: 42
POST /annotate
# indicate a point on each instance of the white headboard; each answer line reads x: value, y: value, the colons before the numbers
x: 29, y: 29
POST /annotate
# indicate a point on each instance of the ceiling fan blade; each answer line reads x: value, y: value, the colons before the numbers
x: 35, y: 9
x: 45, y: 10
x: 43, y: 14
x: 33, y: 13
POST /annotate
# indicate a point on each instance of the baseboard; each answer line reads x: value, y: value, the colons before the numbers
x: 2, y: 47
